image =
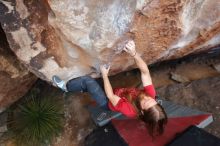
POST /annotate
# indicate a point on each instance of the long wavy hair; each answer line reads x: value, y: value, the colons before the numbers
x: 155, y: 117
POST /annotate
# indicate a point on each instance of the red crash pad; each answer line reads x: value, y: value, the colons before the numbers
x: 135, y: 133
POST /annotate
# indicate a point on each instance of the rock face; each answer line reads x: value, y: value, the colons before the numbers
x: 72, y: 38
x: 15, y: 79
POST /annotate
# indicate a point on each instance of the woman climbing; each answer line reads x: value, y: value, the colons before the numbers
x: 131, y: 102
x: 136, y: 103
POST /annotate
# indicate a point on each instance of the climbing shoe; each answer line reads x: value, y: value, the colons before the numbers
x: 59, y: 83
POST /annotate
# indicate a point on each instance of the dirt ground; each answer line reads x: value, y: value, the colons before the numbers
x: 199, y: 89
x: 201, y: 94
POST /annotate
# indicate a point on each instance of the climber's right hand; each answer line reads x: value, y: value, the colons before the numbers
x: 130, y: 48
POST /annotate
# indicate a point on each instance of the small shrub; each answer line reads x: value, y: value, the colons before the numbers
x: 36, y: 121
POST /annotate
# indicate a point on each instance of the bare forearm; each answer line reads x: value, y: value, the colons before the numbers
x: 109, y: 92
x: 107, y: 86
x: 141, y: 64
x: 145, y: 74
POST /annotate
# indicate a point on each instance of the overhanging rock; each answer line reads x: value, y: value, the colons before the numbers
x: 72, y: 38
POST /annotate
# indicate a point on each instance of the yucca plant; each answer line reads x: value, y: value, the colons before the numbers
x: 37, y: 121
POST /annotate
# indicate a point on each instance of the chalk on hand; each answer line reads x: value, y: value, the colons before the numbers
x: 106, y: 66
x: 120, y: 45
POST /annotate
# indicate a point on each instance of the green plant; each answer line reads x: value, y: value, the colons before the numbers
x: 37, y: 121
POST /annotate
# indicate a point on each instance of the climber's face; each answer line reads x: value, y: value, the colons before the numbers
x: 147, y: 102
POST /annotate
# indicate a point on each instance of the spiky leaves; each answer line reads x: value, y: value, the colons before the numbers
x: 37, y: 121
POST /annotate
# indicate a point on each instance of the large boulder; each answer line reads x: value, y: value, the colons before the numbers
x: 72, y: 38
x: 15, y: 79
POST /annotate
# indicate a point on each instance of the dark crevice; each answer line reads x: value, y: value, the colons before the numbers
x: 4, y: 45
x: 211, y: 54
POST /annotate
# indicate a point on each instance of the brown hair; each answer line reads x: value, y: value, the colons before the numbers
x: 155, y: 117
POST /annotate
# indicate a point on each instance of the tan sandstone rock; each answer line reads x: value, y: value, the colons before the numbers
x: 72, y: 38
x: 15, y: 79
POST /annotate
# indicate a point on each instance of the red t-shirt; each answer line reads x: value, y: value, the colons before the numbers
x: 123, y: 105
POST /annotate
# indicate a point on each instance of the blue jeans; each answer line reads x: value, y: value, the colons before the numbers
x: 88, y: 84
